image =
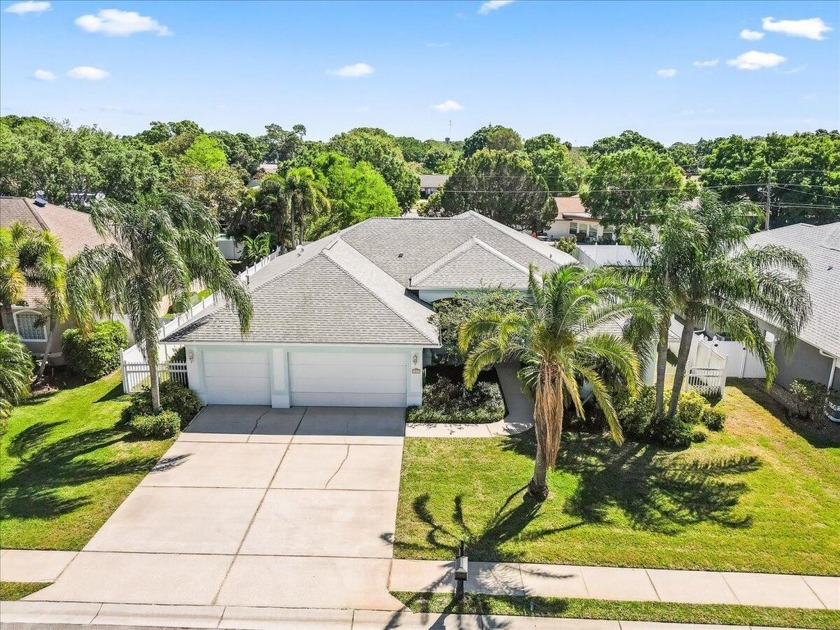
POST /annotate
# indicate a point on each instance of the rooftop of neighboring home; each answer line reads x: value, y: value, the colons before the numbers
x: 571, y: 208
x: 820, y: 245
x: 72, y: 227
x: 361, y: 285
x: 433, y: 180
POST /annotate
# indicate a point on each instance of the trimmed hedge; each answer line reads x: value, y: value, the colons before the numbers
x: 173, y: 397
x: 163, y: 425
x: 97, y: 353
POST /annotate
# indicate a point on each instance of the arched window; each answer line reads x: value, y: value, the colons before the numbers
x: 31, y: 325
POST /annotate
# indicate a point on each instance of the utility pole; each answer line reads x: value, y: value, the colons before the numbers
x: 767, y: 210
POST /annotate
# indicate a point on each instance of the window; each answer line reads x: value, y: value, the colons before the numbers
x: 30, y: 327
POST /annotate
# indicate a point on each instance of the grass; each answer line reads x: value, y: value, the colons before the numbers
x: 760, y: 496
x: 624, y: 611
x: 11, y: 591
x: 66, y: 465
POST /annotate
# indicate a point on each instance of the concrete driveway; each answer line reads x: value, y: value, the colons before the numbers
x: 255, y: 506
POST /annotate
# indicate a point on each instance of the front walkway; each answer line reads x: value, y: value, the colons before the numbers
x: 520, y: 414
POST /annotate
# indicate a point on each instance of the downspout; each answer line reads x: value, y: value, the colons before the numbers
x: 834, y: 361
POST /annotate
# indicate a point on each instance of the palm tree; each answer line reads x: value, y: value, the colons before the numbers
x: 665, y: 255
x: 556, y: 338
x: 306, y: 196
x: 31, y: 257
x: 162, y: 244
x: 727, y: 281
x: 15, y: 372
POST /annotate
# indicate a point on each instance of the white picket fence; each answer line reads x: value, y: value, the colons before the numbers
x: 707, y: 367
x: 135, y: 368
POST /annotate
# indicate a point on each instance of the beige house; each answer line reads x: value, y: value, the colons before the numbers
x: 75, y: 231
x: 573, y: 220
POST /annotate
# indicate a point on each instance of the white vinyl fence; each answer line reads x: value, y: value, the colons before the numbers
x: 135, y: 368
x: 706, y: 368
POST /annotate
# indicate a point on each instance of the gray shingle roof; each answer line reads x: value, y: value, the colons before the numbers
x: 473, y: 265
x: 820, y: 245
x: 351, y: 287
x: 432, y: 180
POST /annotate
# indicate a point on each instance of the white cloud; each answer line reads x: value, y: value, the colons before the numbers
x: 43, y: 75
x: 666, y: 73
x: 117, y: 23
x: 30, y: 6
x: 751, y: 36
x: 709, y: 63
x: 812, y: 28
x: 754, y: 60
x: 448, y: 106
x: 353, y: 71
x: 88, y: 73
x: 492, y: 5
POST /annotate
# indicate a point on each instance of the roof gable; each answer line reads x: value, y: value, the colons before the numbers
x: 473, y: 265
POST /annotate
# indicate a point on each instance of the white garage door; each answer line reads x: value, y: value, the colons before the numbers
x: 237, y: 377
x: 334, y: 379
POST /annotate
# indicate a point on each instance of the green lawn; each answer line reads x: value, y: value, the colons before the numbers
x: 759, y: 496
x: 10, y: 591
x: 624, y: 611
x: 65, y: 466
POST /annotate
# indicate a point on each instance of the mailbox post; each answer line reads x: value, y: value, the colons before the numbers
x: 461, y: 572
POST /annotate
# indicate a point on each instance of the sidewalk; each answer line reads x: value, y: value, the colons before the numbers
x: 520, y: 415
x: 612, y: 583
x: 55, y: 615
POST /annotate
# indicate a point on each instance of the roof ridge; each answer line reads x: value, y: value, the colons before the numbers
x: 36, y: 214
x: 355, y: 279
x: 504, y: 229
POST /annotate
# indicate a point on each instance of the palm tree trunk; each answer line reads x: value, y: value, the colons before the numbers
x: 46, y: 358
x: 537, y: 487
x: 682, y: 361
x: 7, y: 319
x: 154, y: 379
x: 662, y: 363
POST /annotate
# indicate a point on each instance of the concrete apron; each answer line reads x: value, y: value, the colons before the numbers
x: 254, y: 507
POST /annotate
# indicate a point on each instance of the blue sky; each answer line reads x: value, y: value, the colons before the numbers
x: 578, y: 70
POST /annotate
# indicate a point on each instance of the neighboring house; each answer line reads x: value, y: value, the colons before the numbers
x: 74, y: 230
x: 430, y: 184
x: 592, y: 256
x: 816, y: 355
x: 574, y: 220
x: 347, y: 320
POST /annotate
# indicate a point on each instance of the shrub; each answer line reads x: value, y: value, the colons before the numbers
x: 691, y: 407
x: 714, y: 419
x: 810, y: 397
x: 159, y: 426
x: 173, y: 397
x: 637, y: 412
x: 96, y: 353
x: 566, y: 244
x: 700, y: 435
x: 447, y: 401
x: 670, y: 432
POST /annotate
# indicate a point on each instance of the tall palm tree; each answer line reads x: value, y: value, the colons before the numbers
x: 15, y: 372
x: 162, y: 244
x: 306, y: 196
x: 727, y: 282
x: 31, y: 257
x: 556, y: 338
x: 665, y: 255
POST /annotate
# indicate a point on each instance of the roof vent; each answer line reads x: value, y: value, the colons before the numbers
x: 400, y: 255
x: 40, y: 198
x: 300, y: 249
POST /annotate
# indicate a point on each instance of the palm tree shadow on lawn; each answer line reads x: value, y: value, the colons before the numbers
x: 656, y: 494
x: 36, y: 484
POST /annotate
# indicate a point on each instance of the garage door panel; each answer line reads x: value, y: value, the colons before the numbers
x: 348, y: 379
x: 237, y: 378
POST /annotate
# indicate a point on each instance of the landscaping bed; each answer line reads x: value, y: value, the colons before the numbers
x: 763, y: 495
x: 447, y: 400
x: 68, y: 462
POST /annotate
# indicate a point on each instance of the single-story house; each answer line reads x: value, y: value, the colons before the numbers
x: 573, y: 219
x: 75, y: 231
x: 347, y: 320
x: 816, y: 355
x: 431, y: 183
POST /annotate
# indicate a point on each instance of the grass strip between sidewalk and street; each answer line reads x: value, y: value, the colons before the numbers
x: 520, y: 605
x: 11, y: 591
